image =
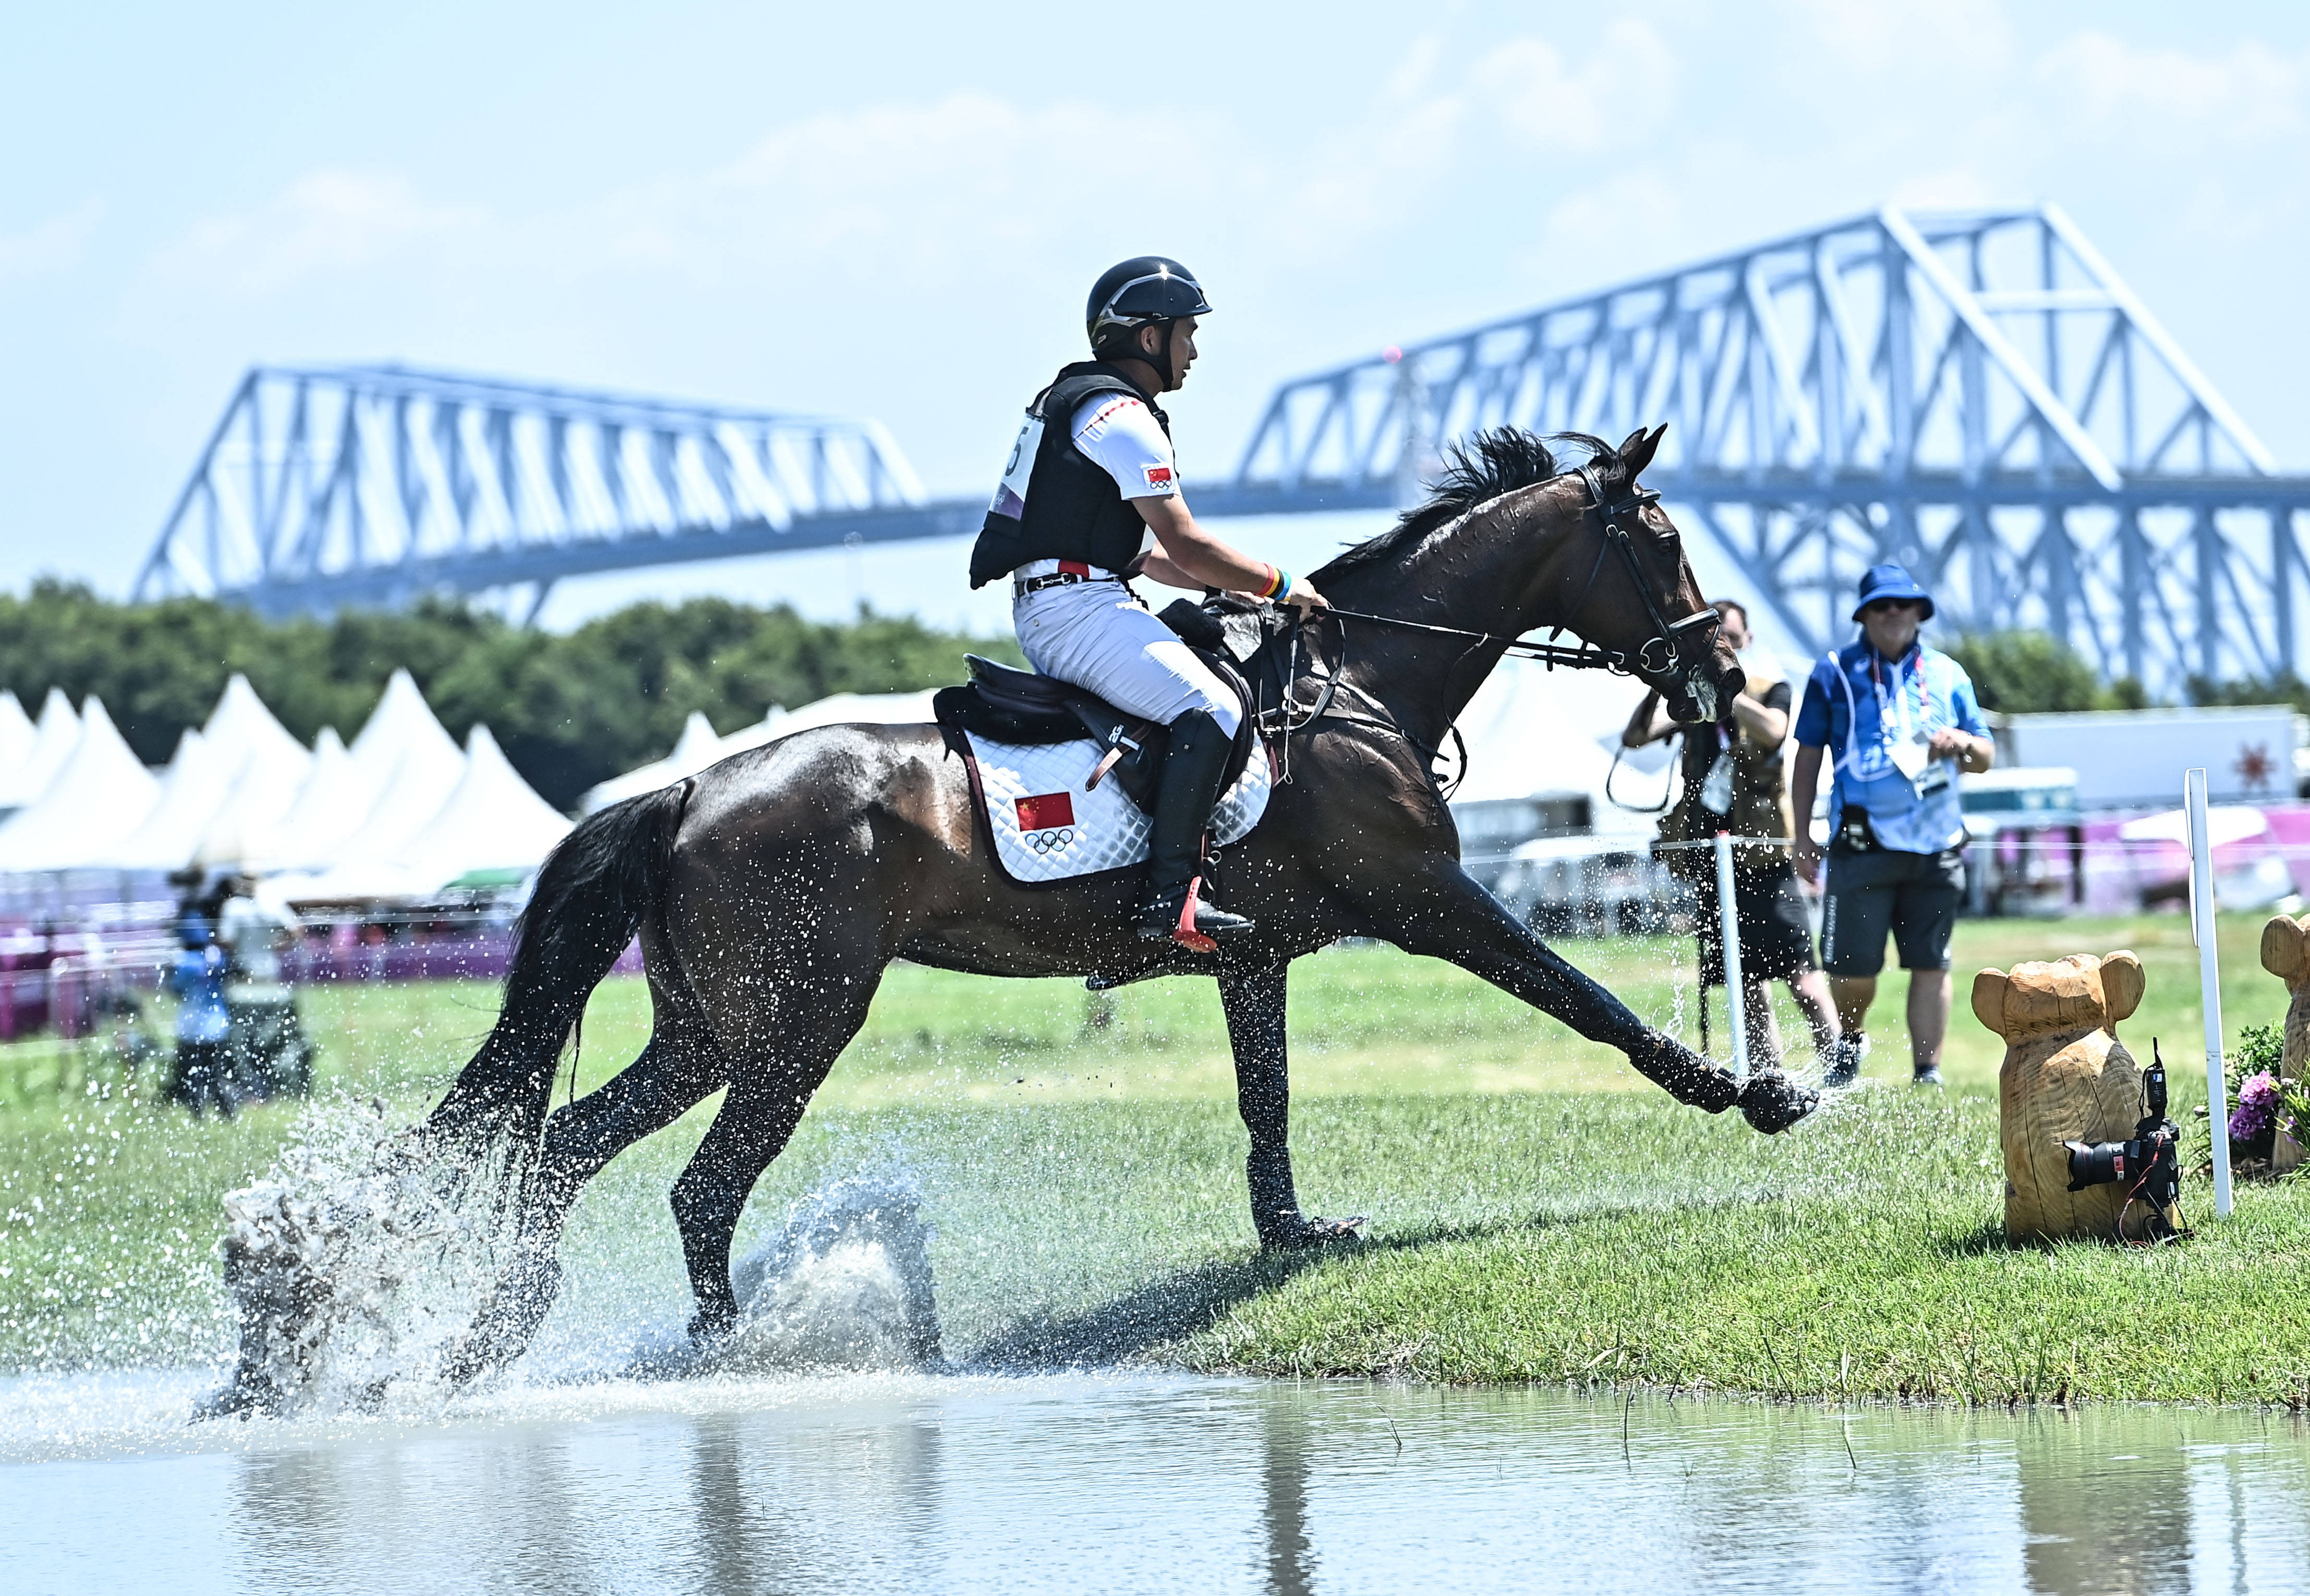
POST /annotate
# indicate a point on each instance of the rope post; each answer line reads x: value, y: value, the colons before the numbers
x: 2209, y: 981
x: 1728, y: 919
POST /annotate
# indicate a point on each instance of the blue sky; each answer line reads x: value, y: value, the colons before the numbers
x: 895, y: 211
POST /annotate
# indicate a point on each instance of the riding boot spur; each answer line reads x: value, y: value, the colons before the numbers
x: 1195, y: 770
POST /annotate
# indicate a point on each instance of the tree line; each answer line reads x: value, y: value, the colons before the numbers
x: 569, y: 710
x: 2024, y: 672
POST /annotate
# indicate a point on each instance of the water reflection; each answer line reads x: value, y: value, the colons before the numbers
x: 1155, y: 1483
x: 1284, y: 1436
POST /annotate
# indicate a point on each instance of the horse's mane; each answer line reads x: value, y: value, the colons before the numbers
x: 1474, y: 472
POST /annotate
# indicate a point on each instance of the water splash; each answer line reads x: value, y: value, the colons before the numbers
x: 359, y: 1265
x: 355, y: 1267
x: 846, y: 1285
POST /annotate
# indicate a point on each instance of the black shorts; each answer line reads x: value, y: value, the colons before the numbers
x: 1775, y: 932
x: 1869, y: 893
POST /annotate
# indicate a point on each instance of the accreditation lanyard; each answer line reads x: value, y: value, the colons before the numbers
x: 1887, y: 703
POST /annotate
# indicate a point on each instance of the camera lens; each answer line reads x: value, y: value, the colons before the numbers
x: 2094, y: 1163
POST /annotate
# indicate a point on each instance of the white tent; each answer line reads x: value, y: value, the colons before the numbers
x: 399, y: 771
x: 696, y: 748
x: 323, y: 810
x: 493, y: 822
x: 688, y: 759
x: 834, y: 710
x: 16, y: 737
x: 241, y: 728
x: 1523, y: 745
x: 103, y: 793
x: 193, y: 790
x: 53, y: 741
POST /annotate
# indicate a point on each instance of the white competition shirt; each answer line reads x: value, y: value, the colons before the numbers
x: 1122, y: 436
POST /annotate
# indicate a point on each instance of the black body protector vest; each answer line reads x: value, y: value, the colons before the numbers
x: 1056, y: 503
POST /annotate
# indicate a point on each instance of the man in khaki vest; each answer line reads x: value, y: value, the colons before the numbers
x: 1731, y: 782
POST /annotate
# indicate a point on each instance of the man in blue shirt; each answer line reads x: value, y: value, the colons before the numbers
x: 204, y: 1024
x: 1900, y: 721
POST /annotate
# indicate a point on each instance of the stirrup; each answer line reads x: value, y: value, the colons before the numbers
x: 1193, y: 925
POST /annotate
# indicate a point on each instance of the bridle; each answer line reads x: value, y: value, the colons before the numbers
x: 1656, y: 656
x: 1611, y: 517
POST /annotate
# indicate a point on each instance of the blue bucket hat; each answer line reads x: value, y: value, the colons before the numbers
x: 1891, y: 582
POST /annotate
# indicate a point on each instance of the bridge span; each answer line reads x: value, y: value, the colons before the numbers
x: 1979, y: 396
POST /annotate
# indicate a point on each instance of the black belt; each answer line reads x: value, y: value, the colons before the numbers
x: 1021, y: 586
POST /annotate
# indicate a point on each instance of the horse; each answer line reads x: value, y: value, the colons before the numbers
x: 771, y: 891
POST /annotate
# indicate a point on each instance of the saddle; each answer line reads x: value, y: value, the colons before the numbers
x: 1006, y: 704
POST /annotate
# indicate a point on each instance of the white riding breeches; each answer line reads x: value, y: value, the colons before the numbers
x: 1097, y: 636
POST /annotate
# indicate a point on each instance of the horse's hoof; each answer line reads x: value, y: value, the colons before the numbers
x: 1772, y: 1102
x: 1302, y: 1232
x: 709, y: 1327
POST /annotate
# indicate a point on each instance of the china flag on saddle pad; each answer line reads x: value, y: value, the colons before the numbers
x: 1044, y: 811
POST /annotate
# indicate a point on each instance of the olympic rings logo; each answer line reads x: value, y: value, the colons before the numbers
x: 1048, y: 842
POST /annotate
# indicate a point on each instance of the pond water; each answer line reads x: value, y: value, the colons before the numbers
x: 1138, y: 1482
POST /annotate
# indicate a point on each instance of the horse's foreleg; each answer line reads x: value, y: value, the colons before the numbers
x: 1253, y: 998
x: 1445, y: 913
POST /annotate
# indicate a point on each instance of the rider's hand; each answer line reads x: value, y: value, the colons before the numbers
x: 1808, y: 860
x: 1307, y: 599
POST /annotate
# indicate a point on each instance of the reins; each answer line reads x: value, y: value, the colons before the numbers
x: 1610, y: 515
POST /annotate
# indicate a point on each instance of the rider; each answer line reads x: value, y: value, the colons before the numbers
x: 1089, y: 501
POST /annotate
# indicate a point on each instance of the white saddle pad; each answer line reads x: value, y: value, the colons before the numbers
x: 1048, y: 827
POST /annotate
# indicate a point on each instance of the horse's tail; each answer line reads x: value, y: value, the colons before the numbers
x: 591, y: 896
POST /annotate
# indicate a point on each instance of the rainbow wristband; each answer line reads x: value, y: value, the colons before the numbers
x: 1280, y: 589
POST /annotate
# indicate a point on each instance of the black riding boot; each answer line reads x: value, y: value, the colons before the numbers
x: 1193, y: 772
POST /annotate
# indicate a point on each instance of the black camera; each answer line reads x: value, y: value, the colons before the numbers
x: 2150, y: 1163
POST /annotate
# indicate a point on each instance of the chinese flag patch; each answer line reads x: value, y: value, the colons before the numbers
x: 1159, y: 476
x: 1045, y: 809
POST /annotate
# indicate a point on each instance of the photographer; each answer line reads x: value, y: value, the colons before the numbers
x: 1731, y: 782
x: 1904, y: 722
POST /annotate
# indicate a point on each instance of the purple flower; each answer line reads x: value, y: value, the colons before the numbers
x: 2257, y: 1108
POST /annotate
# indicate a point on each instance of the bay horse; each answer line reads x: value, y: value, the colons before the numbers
x: 771, y: 891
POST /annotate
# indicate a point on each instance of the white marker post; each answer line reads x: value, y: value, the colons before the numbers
x: 1729, y: 919
x: 2210, y: 980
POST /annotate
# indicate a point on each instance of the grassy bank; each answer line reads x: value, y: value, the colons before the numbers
x: 1539, y: 1212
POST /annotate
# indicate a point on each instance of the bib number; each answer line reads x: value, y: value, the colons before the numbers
x: 1010, y: 494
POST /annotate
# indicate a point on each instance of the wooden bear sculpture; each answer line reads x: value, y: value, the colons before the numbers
x: 2286, y: 954
x: 2066, y: 1077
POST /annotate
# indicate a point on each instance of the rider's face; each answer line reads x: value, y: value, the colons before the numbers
x: 1183, y: 350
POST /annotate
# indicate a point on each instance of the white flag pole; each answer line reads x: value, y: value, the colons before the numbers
x: 2210, y: 980
x: 1736, y: 996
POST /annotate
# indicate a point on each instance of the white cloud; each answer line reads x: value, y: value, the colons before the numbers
x: 52, y: 246
x: 323, y: 224
x: 2248, y: 94
x: 1611, y: 97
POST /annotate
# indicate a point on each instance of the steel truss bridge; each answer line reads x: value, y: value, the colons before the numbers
x: 1978, y: 396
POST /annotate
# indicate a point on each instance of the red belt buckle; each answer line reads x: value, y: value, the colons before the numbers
x: 1073, y: 567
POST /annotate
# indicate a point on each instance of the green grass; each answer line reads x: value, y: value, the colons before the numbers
x: 1539, y: 1212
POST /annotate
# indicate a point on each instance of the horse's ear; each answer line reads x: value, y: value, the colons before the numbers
x: 1636, y: 452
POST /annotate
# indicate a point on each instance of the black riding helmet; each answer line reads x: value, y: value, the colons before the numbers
x: 1147, y: 290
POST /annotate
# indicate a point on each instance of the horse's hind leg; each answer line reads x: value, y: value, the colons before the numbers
x: 678, y: 1070
x: 770, y: 1087
x: 679, y: 1067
